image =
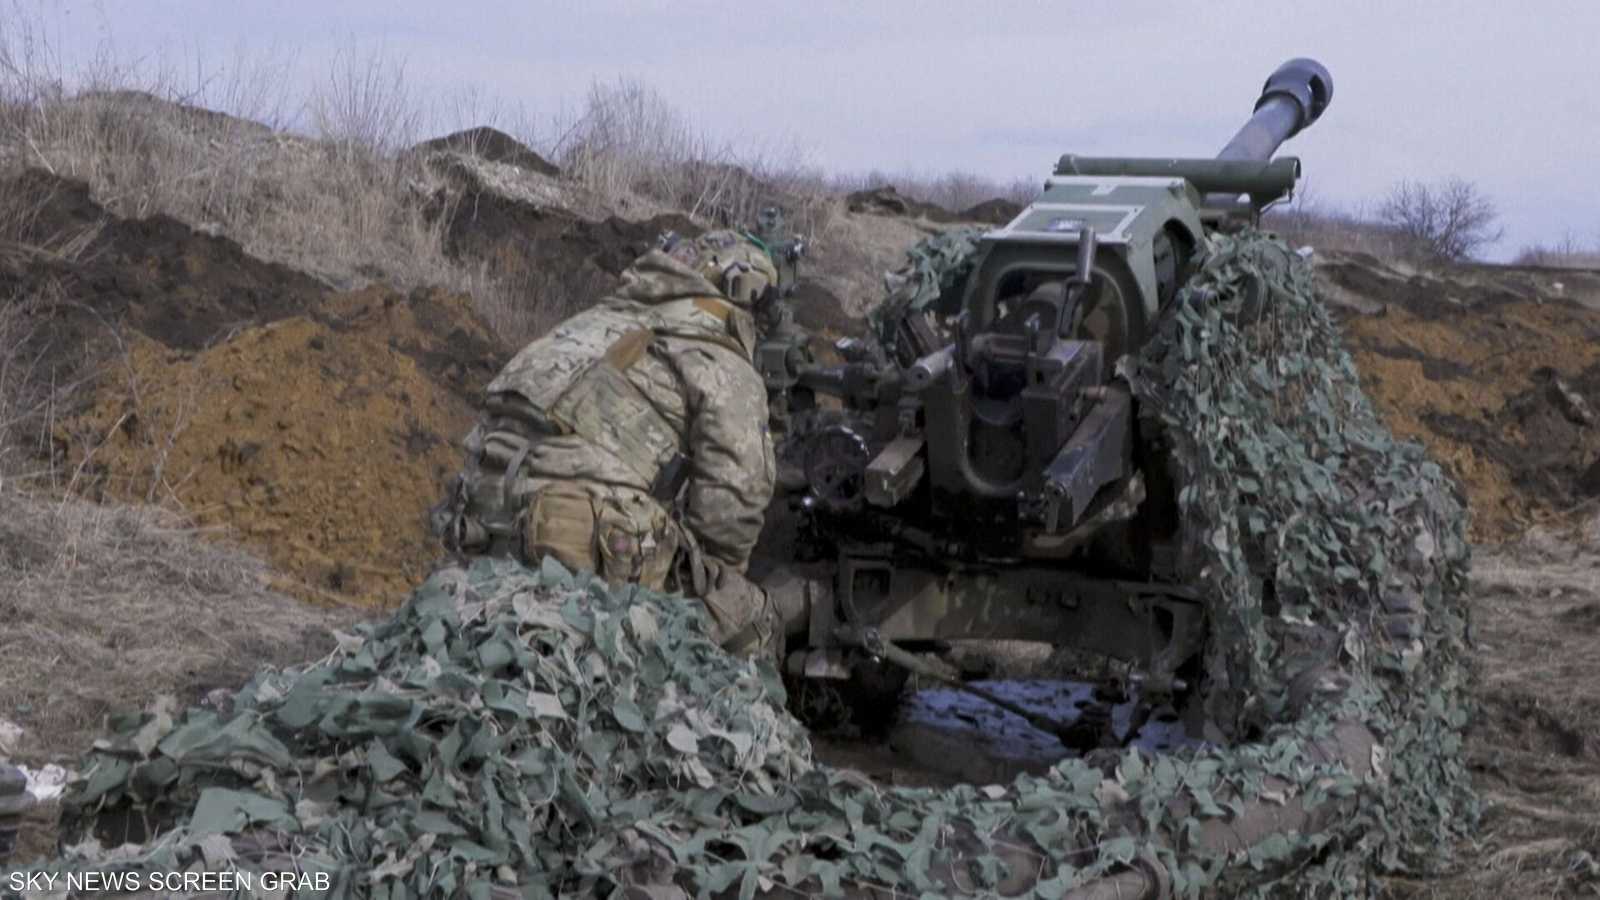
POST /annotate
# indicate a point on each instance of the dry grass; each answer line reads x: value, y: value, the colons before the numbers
x: 520, y: 306
x: 1567, y: 253
x: 334, y: 209
x: 633, y: 148
x: 1307, y: 220
x: 1535, y: 744
x: 342, y: 200
x: 341, y: 204
x: 954, y: 191
x: 851, y: 257
x: 338, y: 197
x: 24, y: 394
x: 103, y: 608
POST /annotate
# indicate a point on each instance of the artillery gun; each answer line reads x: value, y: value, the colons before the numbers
x: 980, y: 471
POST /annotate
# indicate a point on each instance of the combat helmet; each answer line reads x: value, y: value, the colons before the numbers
x: 735, y: 262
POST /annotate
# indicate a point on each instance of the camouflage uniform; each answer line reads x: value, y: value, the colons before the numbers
x: 635, y: 437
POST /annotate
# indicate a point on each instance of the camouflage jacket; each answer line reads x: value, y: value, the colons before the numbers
x: 657, y: 375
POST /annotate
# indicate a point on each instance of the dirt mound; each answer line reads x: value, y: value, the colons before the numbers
x: 320, y: 445
x: 438, y: 330
x: 562, y: 261
x: 993, y: 212
x: 156, y: 275
x: 493, y: 145
x: 820, y: 311
x: 886, y: 201
x: 1497, y: 371
x: 316, y: 426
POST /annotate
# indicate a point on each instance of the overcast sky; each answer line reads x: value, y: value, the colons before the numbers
x: 1503, y: 94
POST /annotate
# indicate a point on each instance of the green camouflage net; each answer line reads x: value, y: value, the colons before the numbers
x: 931, y: 280
x: 1337, y: 554
x: 519, y: 733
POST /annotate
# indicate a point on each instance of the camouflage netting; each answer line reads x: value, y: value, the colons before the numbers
x: 511, y: 732
x: 930, y: 280
x: 1336, y: 556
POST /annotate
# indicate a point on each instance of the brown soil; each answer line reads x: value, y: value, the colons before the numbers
x: 886, y: 201
x: 157, y: 275
x: 993, y: 212
x: 562, y: 260
x: 820, y: 312
x: 493, y: 145
x: 315, y: 427
x: 1474, y: 366
x: 320, y: 447
x: 521, y: 237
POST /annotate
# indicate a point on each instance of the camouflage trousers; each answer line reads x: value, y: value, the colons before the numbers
x: 625, y: 535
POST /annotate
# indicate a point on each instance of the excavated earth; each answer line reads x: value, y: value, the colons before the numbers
x: 315, y: 426
x: 1495, y: 369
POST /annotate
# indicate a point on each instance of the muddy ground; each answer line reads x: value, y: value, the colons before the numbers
x: 1534, y: 748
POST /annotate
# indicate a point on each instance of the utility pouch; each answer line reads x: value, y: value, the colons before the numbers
x: 561, y: 524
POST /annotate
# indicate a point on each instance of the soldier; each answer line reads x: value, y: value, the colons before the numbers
x: 632, y: 440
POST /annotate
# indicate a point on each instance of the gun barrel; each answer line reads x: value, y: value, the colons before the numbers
x: 928, y: 369
x: 1293, y: 97
x: 1266, y: 178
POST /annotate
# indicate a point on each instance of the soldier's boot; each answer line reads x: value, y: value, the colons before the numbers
x: 15, y: 801
x: 763, y: 617
x: 790, y: 599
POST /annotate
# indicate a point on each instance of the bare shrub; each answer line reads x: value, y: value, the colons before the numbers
x: 958, y: 191
x: 520, y: 306
x: 344, y: 205
x: 1569, y: 252
x: 1023, y: 190
x: 953, y: 191
x: 365, y: 104
x: 626, y: 138
x: 1449, y: 220
x: 1306, y: 219
x: 641, y: 154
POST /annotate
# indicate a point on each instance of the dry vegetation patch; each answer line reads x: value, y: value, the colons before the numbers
x: 103, y: 607
x: 1535, y: 744
x: 340, y: 212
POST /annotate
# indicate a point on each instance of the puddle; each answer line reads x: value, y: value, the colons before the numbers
x: 962, y: 736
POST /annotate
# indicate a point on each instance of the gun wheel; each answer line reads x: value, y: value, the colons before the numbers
x: 836, y: 461
x: 867, y: 700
